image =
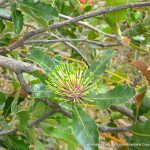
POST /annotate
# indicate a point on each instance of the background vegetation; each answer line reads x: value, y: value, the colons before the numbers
x: 74, y: 74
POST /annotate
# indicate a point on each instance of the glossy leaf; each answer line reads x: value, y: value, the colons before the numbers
x: 97, y: 68
x: 85, y: 129
x: 141, y: 136
x: 61, y: 133
x: 42, y: 59
x: 17, y: 19
x: 41, y: 91
x: 120, y: 94
x: 39, y: 11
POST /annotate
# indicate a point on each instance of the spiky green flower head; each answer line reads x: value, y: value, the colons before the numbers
x: 69, y: 83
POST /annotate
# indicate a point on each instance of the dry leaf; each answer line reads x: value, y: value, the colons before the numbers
x: 143, y: 68
x: 126, y: 41
x: 139, y: 98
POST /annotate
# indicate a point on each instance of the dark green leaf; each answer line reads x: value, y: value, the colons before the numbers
x: 23, y: 119
x: 42, y: 59
x: 85, y: 129
x: 97, y: 68
x: 17, y: 19
x: 2, y: 25
x: 40, y: 76
x: 15, y: 143
x: 39, y: 11
x: 7, y: 106
x: 114, y: 18
x: 2, y: 97
x: 62, y: 133
x: 141, y: 136
x: 4, y: 41
x: 120, y: 94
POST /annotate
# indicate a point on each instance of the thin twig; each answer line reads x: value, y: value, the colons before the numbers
x: 30, y: 34
x: 127, y: 112
x: 23, y: 83
x: 55, y: 105
x: 86, y: 25
x: 71, y: 40
x: 113, y: 129
x: 74, y: 48
x: 45, y: 116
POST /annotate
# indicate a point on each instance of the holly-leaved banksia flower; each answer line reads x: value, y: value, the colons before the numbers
x: 70, y: 82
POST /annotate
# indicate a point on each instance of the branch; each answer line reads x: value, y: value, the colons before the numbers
x: 71, y: 40
x: 113, y: 130
x: 16, y: 66
x: 74, y: 20
x: 56, y: 109
x: 86, y: 25
x: 74, y: 48
x: 23, y: 83
x: 45, y: 116
x: 56, y: 106
x: 127, y: 112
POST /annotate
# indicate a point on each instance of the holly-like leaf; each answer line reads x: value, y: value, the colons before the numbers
x: 97, y: 68
x: 85, y: 129
x: 120, y: 94
x: 115, y: 17
x: 17, y: 19
x: 42, y: 59
x: 141, y: 136
x: 39, y: 11
x: 23, y: 119
x: 62, y: 133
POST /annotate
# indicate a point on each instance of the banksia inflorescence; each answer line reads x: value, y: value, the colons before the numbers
x: 69, y: 82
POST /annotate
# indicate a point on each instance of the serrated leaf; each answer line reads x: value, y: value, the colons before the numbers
x: 114, y: 18
x: 97, y: 68
x: 120, y: 94
x: 141, y: 136
x: 17, y: 19
x: 23, y: 119
x: 39, y: 11
x: 62, y: 133
x: 42, y: 59
x: 85, y: 129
